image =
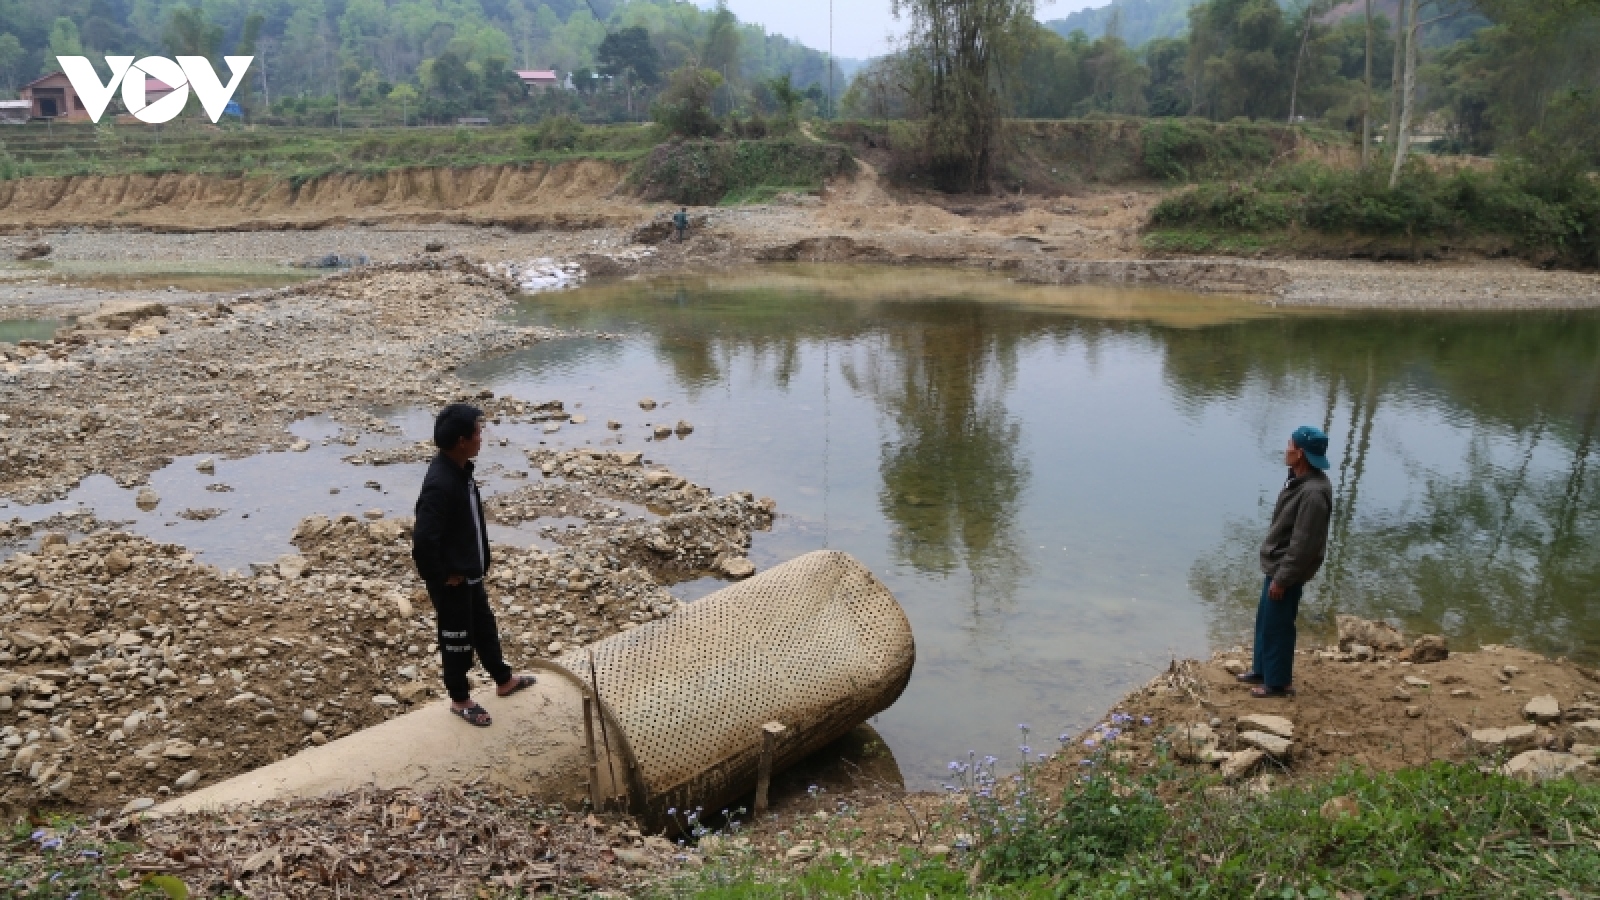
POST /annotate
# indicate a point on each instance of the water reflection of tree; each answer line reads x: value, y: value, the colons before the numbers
x: 953, y: 478
x: 1503, y: 552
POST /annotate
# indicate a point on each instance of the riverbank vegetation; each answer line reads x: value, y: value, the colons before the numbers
x: 1442, y: 830
x: 1547, y: 214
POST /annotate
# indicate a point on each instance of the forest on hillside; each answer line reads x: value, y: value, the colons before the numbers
x: 322, y: 61
x: 1488, y: 74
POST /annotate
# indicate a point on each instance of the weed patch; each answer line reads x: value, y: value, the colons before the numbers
x: 1444, y: 830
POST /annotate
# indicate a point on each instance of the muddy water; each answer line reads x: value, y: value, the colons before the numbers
x: 13, y: 330
x: 1065, y: 487
x: 154, y: 275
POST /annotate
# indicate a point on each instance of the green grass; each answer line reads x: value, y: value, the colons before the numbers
x: 1444, y: 830
x: 1200, y: 241
x: 69, y: 150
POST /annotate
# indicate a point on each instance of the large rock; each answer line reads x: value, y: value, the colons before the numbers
x: 1541, y: 765
x: 1430, y: 648
x: 121, y: 315
x: 1277, y: 725
x: 1270, y: 744
x: 1341, y: 807
x: 738, y: 567
x: 1586, y: 732
x: 117, y: 562
x: 1194, y: 743
x: 1378, y: 635
x: 1511, y: 740
x: 291, y: 566
x: 147, y: 499
x: 1543, y: 708
x: 1241, y: 764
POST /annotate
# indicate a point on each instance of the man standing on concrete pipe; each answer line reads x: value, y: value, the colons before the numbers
x: 451, y: 549
x: 1292, y: 553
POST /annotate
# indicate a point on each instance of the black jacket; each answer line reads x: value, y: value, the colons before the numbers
x: 445, y: 541
x: 1298, y: 537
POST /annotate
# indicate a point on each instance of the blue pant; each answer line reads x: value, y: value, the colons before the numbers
x: 1274, y: 651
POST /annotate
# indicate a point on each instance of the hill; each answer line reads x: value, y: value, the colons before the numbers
x: 1138, y: 21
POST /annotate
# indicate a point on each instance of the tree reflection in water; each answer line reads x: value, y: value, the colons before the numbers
x: 952, y: 479
x: 1464, y: 502
x: 1494, y: 537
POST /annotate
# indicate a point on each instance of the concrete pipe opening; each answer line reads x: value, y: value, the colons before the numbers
x: 817, y: 644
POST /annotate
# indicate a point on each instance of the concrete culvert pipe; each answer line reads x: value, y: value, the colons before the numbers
x: 817, y: 644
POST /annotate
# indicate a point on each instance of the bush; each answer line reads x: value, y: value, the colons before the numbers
x: 703, y: 173
x: 557, y: 133
x: 1181, y: 151
x: 1096, y: 824
x: 685, y: 105
x: 1548, y: 212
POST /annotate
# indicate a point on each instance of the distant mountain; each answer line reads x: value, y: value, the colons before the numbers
x: 1146, y: 20
x: 1140, y: 20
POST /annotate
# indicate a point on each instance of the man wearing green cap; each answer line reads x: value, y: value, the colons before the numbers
x: 1290, y: 556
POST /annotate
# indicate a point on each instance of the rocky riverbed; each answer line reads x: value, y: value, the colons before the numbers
x: 129, y: 671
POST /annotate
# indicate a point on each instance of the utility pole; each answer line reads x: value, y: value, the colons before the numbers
x: 830, y: 59
x: 1366, y: 103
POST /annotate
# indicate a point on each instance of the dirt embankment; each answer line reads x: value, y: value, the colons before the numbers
x: 533, y: 196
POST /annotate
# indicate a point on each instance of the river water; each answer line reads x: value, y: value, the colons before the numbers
x: 1064, y: 487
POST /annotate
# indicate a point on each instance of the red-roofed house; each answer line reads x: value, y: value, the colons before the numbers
x: 52, y: 97
x: 539, y: 78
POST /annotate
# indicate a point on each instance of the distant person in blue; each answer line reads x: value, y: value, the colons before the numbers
x: 680, y: 222
x: 1292, y: 553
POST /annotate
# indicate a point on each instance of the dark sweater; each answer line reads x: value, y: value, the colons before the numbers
x: 447, y: 535
x: 1298, y: 537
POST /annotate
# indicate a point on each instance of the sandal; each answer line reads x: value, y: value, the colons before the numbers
x: 517, y: 682
x: 1249, y: 678
x: 1265, y: 693
x: 473, y: 715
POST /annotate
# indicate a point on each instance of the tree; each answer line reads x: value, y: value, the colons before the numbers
x: 1366, y: 95
x: 189, y: 34
x: 785, y: 96
x: 629, y: 51
x: 11, y: 54
x: 960, y: 52
x: 406, y: 96
x: 1237, y: 56
x: 685, y: 106
x: 628, y: 54
x: 720, y: 52
x: 63, y: 42
x: 1392, y: 139
x: 1408, y: 88
x: 1310, y: 16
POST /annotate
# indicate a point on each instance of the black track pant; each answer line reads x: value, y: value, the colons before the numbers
x: 466, y: 624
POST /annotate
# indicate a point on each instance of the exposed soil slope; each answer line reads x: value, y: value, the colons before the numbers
x: 537, y: 195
